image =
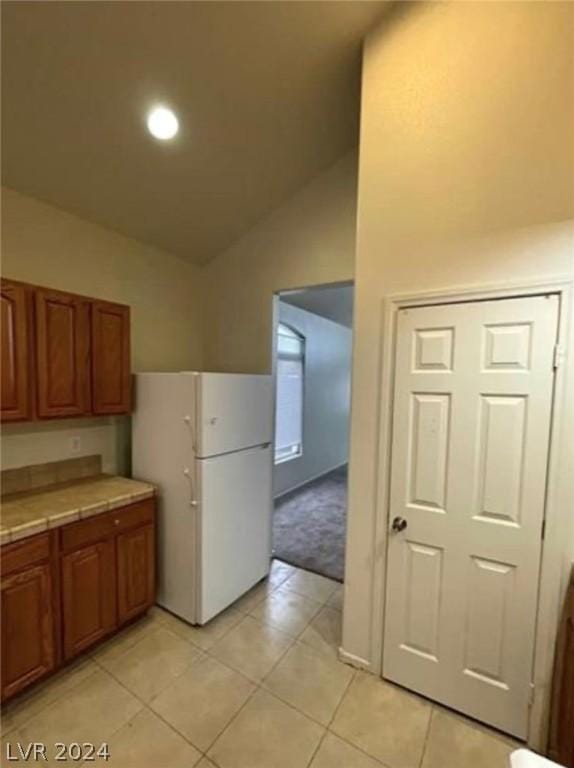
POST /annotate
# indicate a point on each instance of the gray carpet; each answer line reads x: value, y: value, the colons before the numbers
x: 309, y: 525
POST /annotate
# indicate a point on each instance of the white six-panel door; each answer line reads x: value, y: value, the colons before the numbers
x: 471, y: 424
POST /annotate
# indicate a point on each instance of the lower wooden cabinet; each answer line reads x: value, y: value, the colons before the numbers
x: 136, y: 571
x: 27, y: 628
x: 65, y: 590
x: 88, y: 596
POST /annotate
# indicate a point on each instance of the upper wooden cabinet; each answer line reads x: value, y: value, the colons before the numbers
x: 62, y: 355
x: 15, y: 351
x: 111, y: 380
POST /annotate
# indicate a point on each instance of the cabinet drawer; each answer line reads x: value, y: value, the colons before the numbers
x: 24, y: 553
x: 107, y: 524
x: 140, y: 513
x: 87, y: 531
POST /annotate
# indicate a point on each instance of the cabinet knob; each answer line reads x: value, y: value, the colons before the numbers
x: 116, y: 521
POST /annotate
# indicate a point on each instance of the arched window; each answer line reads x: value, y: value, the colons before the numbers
x: 290, y: 384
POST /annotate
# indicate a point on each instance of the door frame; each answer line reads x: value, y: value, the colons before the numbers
x: 556, y: 507
x: 275, y: 299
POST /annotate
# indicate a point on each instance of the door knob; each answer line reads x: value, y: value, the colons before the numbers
x: 399, y: 524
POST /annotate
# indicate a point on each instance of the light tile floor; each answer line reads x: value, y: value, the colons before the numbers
x: 259, y: 687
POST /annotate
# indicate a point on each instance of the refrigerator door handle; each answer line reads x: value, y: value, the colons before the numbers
x: 193, y: 501
x: 189, y: 421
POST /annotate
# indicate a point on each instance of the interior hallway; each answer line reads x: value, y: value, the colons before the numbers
x: 309, y: 525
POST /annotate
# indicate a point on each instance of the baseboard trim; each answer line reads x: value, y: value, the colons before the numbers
x: 354, y: 661
x: 309, y: 481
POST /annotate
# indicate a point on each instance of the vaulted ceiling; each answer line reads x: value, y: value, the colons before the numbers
x: 267, y: 94
x: 335, y: 302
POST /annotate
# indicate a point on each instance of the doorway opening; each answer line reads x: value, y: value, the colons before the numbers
x: 312, y: 367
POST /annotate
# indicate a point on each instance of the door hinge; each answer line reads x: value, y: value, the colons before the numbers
x: 543, y: 532
x: 559, y: 355
x: 531, y: 695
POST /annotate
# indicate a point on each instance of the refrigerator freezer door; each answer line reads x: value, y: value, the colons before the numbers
x: 235, y: 520
x: 233, y: 411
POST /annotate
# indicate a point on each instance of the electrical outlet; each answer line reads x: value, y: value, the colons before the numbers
x: 75, y: 444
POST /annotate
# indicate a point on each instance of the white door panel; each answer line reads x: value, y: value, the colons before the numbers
x: 235, y: 517
x: 161, y: 451
x: 472, y: 407
x: 233, y: 411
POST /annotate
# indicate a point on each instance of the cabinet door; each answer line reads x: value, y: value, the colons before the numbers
x: 15, y: 350
x: 566, y: 724
x: 88, y: 595
x: 136, y: 571
x: 27, y: 628
x: 111, y: 385
x: 562, y: 712
x: 62, y: 348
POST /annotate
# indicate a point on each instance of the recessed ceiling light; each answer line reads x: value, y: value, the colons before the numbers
x: 162, y: 123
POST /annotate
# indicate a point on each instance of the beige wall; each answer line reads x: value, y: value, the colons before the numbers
x: 308, y: 241
x: 466, y: 177
x: 47, y: 246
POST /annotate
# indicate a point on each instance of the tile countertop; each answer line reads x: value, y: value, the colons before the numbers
x: 31, y: 512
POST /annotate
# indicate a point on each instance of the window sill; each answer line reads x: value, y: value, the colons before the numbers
x: 286, y: 459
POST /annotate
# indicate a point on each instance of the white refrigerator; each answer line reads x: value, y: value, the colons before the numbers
x: 205, y: 440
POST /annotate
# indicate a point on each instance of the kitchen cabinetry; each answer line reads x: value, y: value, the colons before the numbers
x: 63, y: 355
x: 110, y: 358
x: 28, y: 651
x: 15, y: 349
x: 62, y: 346
x: 67, y: 589
x: 136, y: 571
x: 88, y: 596
x: 562, y: 721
